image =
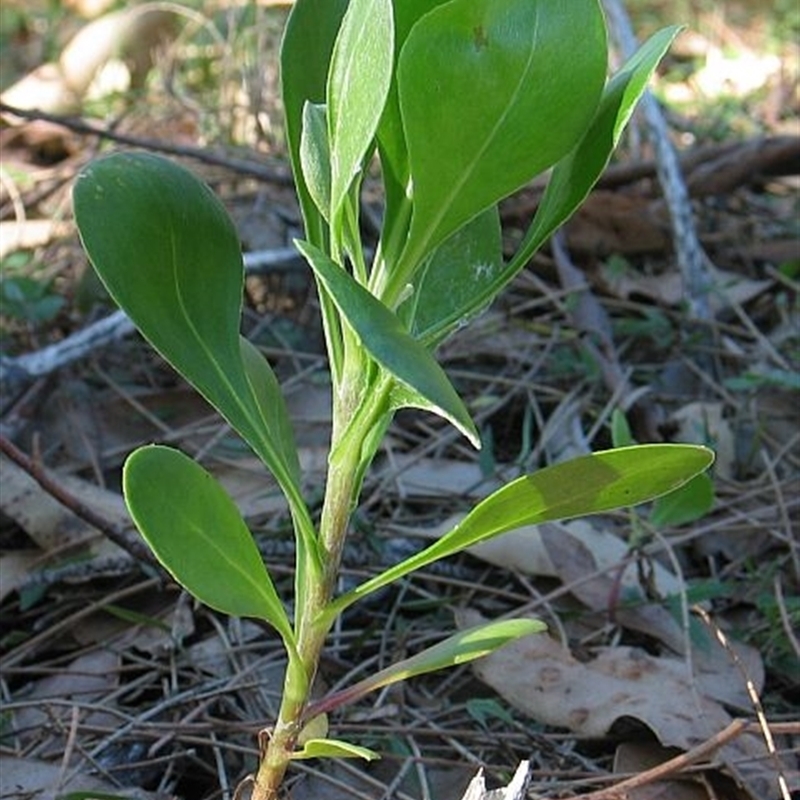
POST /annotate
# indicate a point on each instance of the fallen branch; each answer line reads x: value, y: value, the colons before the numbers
x: 15, y: 372
x: 278, y: 176
x: 134, y: 546
x: 672, y: 767
x: 692, y: 261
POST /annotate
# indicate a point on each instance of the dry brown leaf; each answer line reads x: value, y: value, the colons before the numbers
x: 613, y: 222
x: 51, y: 525
x: 576, y: 558
x: 633, y: 758
x: 540, y: 677
x: 667, y: 287
x: 436, y: 477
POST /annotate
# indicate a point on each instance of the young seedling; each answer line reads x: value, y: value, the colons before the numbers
x: 464, y: 102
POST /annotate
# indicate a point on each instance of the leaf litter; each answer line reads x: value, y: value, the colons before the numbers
x: 626, y: 659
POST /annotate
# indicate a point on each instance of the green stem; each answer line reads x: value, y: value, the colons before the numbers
x: 354, y: 416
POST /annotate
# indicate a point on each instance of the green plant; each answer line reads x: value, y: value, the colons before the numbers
x: 465, y: 101
x: 29, y: 300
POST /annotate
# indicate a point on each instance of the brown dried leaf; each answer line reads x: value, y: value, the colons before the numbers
x: 576, y: 555
x: 633, y: 758
x: 540, y: 677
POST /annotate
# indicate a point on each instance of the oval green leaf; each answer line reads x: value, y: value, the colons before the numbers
x: 169, y: 255
x: 574, y: 175
x: 492, y: 92
x: 197, y: 533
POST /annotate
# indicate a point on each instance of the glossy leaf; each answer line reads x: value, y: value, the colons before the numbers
x: 492, y: 92
x: 358, y: 82
x: 315, y: 156
x: 305, y: 55
x: 198, y: 534
x: 169, y: 255
x: 575, y: 175
x: 590, y: 484
x: 423, y: 382
x: 395, y: 168
x: 460, y: 648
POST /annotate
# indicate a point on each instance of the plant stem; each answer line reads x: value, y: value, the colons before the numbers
x: 354, y: 417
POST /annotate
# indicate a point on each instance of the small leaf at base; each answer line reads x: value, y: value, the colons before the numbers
x: 333, y: 748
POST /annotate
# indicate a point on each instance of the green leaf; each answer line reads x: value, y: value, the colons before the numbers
x: 392, y: 147
x: 590, y: 484
x: 333, y: 748
x: 471, y: 256
x: 621, y: 435
x: 315, y: 156
x: 358, y: 82
x: 460, y: 648
x: 266, y: 391
x: 485, y: 108
x: 423, y: 382
x: 305, y: 55
x: 169, y: 255
x: 690, y: 502
x: 198, y: 534
x: 575, y: 175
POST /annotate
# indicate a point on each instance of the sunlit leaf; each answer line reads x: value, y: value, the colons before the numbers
x: 589, y: 484
x: 484, y: 109
x: 575, y: 175
x: 333, y: 748
x: 460, y: 648
x: 358, y: 82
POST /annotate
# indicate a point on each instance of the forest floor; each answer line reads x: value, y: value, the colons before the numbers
x: 665, y: 629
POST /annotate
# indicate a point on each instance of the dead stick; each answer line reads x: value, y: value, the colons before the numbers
x: 280, y: 177
x: 690, y: 257
x: 133, y: 546
x: 674, y: 765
